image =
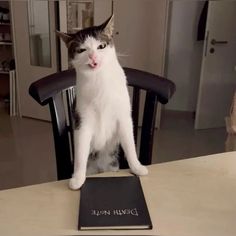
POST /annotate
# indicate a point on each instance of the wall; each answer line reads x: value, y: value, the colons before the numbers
x: 132, y: 33
x: 184, y: 54
x: 157, y: 18
x: 141, y: 27
x: 141, y: 36
x: 102, y: 11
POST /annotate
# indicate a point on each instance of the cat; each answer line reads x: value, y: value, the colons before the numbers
x: 102, y: 104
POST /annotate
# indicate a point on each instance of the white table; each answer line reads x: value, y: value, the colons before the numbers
x: 192, y: 197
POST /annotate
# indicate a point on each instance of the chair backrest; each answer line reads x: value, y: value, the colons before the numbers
x: 56, y: 88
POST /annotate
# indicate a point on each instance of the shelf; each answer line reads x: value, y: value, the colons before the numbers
x: 5, y: 24
x: 4, y: 72
x: 5, y: 43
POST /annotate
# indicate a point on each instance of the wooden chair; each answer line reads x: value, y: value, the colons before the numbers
x: 54, y: 89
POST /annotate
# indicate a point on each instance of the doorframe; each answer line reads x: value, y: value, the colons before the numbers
x: 167, y: 36
x: 160, y: 107
x: 63, y: 27
x: 27, y: 73
x: 14, y: 52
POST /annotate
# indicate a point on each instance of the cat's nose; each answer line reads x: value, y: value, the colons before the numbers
x: 92, y: 56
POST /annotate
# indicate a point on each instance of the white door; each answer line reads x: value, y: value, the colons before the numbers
x: 35, y: 50
x: 218, y: 75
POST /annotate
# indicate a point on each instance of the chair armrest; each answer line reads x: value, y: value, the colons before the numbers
x: 162, y: 87
x: 49, y: 86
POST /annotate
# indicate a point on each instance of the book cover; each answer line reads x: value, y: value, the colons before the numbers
x: 113, y: 203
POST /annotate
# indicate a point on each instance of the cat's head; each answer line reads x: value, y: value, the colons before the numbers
x: 91, y: 48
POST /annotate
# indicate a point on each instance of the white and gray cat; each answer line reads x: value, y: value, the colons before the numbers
x: 103, y: 104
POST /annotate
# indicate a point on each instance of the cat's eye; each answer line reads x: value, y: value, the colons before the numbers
x: 80, y: 50
x: 101, y: 46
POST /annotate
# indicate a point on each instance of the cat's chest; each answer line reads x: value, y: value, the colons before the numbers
x: 104, y: 128
x: 100, y: 102
x: 100, y: 108
x: 101, y: 96
x: 104, y: 122
x: 104, y: 97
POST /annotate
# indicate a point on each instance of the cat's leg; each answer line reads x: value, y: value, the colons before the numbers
x: 82, y: 139
x: 92, y: 167
x: 127, y: 142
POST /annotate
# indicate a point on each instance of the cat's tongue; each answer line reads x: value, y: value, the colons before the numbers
x: 93, y: 65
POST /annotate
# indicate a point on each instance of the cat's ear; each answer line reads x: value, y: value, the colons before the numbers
x: 65, y: 37
x: 108, y: 27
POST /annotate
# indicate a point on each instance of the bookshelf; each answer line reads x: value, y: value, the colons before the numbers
x: 4, y: 72
x: 7, y: 64
x: 5, y: 43
x: 5, y: 24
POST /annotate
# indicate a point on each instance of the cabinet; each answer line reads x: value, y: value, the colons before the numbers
x: 34, y: 25
x: 7, y: 63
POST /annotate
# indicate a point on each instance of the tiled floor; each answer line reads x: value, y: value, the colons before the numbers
x: 177, y: 138
x: 27, y: 151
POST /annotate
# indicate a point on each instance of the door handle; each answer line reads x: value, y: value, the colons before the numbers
x: 214, y: 42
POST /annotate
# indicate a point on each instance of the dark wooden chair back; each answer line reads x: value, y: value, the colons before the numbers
x: 54, y: 89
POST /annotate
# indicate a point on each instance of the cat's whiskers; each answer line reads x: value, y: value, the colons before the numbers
x: 120, y: 54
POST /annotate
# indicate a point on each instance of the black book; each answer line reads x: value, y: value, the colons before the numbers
x: 113, y: 203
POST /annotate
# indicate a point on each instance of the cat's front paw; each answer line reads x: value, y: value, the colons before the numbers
x: 139, y: 170
x: 76, y: 182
